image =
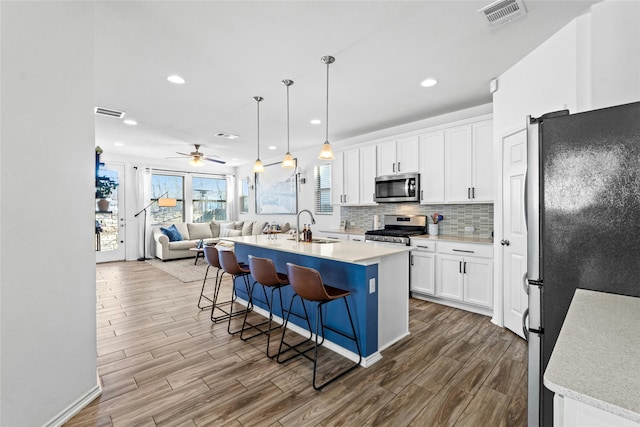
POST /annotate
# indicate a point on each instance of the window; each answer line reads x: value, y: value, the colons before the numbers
x: 209, y: 199
x: 244, y: 195
x: 173, y: 185
x: 323, y: 189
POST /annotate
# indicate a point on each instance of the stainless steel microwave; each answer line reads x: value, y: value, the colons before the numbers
x: 398, y: 188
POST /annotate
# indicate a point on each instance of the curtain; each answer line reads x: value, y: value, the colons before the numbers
x: 232, y: 202
x: 143, y: 195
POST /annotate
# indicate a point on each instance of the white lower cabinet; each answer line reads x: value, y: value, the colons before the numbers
x: 456, y: 274
x: 423, y: 272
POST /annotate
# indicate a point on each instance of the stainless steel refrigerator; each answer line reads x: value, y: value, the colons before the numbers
x: 583, y: 223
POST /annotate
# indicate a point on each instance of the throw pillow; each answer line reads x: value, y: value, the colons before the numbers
x: 172, y: 233
x: 229, y: 232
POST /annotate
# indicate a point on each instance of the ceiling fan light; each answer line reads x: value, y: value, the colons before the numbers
x: 326, y: 153
x: 258, y: 166
x: 196, y: 162
x: 288, y: 161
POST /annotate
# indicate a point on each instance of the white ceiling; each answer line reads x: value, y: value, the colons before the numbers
x: 230, y: 51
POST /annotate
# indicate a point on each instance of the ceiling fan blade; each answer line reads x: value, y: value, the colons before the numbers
x: 215, y: 160
x: 183, y: 154
x: 174, y: 157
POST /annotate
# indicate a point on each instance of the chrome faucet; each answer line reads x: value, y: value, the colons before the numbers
x: 313, y: 221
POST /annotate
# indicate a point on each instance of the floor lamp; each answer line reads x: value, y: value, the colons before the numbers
x: 163, y: 202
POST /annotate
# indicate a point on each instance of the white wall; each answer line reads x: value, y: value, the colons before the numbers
x: 47, y: 261
x: 593, y: 62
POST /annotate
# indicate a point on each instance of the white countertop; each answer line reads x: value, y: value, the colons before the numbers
x: 338, y: 250
x: 596, y: 359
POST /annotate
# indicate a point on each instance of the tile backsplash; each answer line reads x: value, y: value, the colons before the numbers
x: 456, y: 217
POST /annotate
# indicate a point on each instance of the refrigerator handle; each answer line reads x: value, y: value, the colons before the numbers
x: 525, y: 283
x: 525, y: 329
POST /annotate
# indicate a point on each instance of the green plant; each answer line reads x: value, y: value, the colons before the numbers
x: 104, y: 186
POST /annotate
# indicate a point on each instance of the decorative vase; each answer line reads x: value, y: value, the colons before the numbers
x: 433, y: 229
x: 103, y: 205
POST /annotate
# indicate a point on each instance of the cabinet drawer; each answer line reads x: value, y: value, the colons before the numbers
x: 465, y: 249
x: 423, y: 245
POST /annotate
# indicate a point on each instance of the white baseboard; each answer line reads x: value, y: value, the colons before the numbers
x: 67, y: 413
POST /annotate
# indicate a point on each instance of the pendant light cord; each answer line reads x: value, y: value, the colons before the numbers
x: 288, y: 117
x: 326, y: 122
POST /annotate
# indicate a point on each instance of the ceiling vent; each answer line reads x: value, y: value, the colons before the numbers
x: 503, y: 11
x: 227, y: 135
x: 109, y: 112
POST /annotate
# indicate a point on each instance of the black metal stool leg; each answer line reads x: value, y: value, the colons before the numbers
x: 295, y: 348
x: 249, y: 307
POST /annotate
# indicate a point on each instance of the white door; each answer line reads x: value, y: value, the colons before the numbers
x: 110, y: 224
x: 514, y: 234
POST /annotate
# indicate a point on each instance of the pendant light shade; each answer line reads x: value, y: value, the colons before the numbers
x: 258, y: 166
x: 327, y: 153
x: 288, y: 161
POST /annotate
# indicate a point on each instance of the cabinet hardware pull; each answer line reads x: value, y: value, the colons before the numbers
x: 459, y: 266
x: 398, y: 166
x: 394, y: 167
x: 345, y: 198
x: 411, y: 259
x: 465, y: 267
x: 473, y: 192
x: 462, y: 250
x: 468, y: 192
x: 421, y: 194
x: 426, y: 247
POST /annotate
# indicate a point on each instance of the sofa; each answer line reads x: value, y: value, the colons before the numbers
x: 192, y: 233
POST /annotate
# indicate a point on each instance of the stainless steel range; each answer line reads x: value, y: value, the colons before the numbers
x: 398, y: 229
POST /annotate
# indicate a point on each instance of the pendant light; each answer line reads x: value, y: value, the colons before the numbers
x: 327, y: 153
x: 288, y: 161
x: 258, y: 167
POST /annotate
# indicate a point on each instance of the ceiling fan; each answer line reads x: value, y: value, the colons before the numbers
x: 197, y: 157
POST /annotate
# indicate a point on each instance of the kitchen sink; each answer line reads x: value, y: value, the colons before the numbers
x: 321, y: 241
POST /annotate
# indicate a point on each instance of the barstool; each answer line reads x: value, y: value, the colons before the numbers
x: 308, y: 286
x: 264, y: 272
x: 211, y: 257
x: 229, y: 264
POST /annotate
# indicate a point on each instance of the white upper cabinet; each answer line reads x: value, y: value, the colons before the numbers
x: 398, y: 156
x: 468, y: 163
x: 367, y: 175
x: 432, y: 168
x: 345, y: 178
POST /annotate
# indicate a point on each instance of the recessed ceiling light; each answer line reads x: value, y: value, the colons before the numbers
x: 316, y: 121
x: 118, y: 144
x: 272, y: 147
x: 429, y: 83
x: 176, y: 79
x: 130, y: 122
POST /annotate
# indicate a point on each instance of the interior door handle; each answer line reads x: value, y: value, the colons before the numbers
x: 504, y: 242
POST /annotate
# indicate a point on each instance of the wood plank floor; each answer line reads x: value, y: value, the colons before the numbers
x: 162, y: 362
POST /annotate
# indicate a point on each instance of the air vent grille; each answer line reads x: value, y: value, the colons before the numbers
x: 227, y: 135
x: 109, y: 112
x: 502, y: 12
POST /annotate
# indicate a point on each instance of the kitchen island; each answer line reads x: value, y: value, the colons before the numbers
x: 376, y: 275
x: 594, y: 369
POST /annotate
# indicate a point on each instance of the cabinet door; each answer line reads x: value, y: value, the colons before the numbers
x: 408, y: 155
x: 337, y: 179
x: 432, y: 168
x: 423, y: 272
x: 478, y: 281
x: 387, y: 158
x: 367, y: 175
x: 482, y: 179
x: 458, y: 152
x: 351, y: 176
x: 449, y: 277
